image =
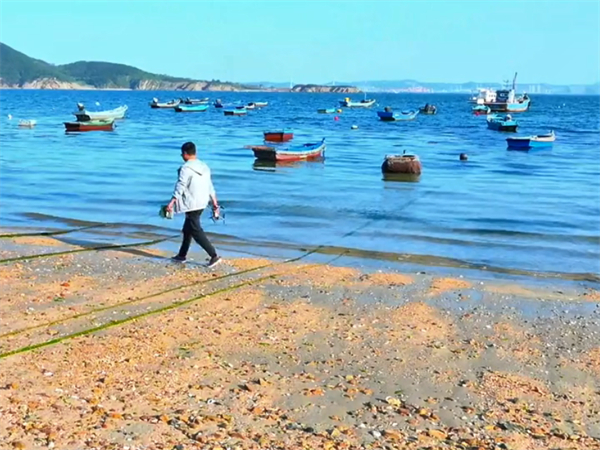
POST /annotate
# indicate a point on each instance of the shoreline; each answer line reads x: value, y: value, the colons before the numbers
x: 119, y: 348
x: 355, y: 257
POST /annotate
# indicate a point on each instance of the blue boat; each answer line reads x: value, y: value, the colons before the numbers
x: 389, y: 116
x: 191, y: 108
x: 500, y: 122
x: 528, y: 142
x: 236, y: 112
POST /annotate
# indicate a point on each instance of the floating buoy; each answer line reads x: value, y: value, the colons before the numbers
x: 354, y: 127
x: 97, y: 103
x: 339, y: 110
x: 10, y: 117
x: 336, y: 118
x: 463, y: 157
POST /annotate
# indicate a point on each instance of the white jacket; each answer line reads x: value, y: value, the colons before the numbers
x: 194, y: 187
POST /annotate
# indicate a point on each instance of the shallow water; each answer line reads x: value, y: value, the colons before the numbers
x: 533, y: 211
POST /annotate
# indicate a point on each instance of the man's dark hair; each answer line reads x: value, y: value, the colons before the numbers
x: 189, y: 148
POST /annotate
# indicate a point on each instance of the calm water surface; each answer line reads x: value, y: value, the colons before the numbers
x: 534, y: 211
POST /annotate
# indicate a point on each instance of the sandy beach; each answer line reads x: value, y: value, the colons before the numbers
x: 122, y: 349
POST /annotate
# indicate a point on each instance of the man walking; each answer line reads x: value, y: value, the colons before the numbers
x: 193, y: 192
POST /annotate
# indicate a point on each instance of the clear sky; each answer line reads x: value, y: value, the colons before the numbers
x: 305, y: 41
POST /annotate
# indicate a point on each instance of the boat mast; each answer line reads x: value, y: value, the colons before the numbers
x: 514, y: 85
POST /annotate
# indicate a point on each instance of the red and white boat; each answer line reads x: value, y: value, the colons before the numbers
x: 306, y: 152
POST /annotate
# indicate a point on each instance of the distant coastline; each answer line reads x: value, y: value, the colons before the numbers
x: 150, y: 85
x: 20, y: 71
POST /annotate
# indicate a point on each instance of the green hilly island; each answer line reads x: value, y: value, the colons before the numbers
x: 17, y: 70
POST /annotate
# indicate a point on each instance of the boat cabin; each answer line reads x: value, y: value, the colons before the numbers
x: 505, y: 96
x: 485, y: 96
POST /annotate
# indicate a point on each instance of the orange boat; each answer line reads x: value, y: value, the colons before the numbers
x: 92, y: 125
x: 279, y: 136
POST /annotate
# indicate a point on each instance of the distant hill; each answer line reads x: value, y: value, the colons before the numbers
x: 18, y: 70
x: 110, y: 75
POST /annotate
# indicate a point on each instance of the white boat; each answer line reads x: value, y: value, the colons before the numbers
x: 172, y: 104
x: 85, y: 116
x: 483, y: 96
x: 365, y: 103
x: 27, y: 123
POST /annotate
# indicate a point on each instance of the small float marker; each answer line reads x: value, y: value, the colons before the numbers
x: 336, y: 118
x: 10, y: 117
x: 354, y: 127
x: 97, y: 103
x: 463, y: 157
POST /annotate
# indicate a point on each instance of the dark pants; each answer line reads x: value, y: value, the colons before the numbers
x: 193, y: 229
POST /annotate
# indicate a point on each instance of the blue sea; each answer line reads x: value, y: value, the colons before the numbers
x: 508, y: 211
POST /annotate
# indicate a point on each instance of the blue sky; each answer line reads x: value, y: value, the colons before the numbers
x: 449, y: 41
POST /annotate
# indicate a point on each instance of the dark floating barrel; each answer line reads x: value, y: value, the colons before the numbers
x: 409, y: 164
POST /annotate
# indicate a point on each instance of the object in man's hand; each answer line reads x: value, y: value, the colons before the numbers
x: 218, y: 213
x: 165, y: 213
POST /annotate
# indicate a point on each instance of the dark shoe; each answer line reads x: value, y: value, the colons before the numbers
x: 215, y: 260
x: 178, y: 258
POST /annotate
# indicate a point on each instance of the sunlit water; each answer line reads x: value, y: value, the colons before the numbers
x: 536, y: 211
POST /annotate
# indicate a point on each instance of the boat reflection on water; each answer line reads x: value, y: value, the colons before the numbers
x: 402, y: 177
x: 273, y: 166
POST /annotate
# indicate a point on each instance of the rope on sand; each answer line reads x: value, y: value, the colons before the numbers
x: 52, y: 233
x: 89, y: 249
x: 170, y: 307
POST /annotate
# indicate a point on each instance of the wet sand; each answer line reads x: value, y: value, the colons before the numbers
x: 121, y: 349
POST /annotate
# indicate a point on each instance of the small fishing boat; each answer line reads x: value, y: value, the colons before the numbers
x: 279, y: 135
x: 248, y: 106
x: 27, y: 123
x: 527, y: 142
x: 194, y: 101
x: 90, y: 125
x: 261, y: 104
x: 83, y: 115
x: 172, y: 104
x: 428, y: 110
x: 306, y: 152
x: 365, y: 103
x: 240, y: 111
x: 481, y: 110
x: 409, y: 164
x: 191, y: 108
x: 218, y: 104
x: 326, y: 110
x: 500, y: 122
x: 390, y: 116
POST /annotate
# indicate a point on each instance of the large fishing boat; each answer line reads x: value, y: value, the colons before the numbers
x: 507, y: 100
